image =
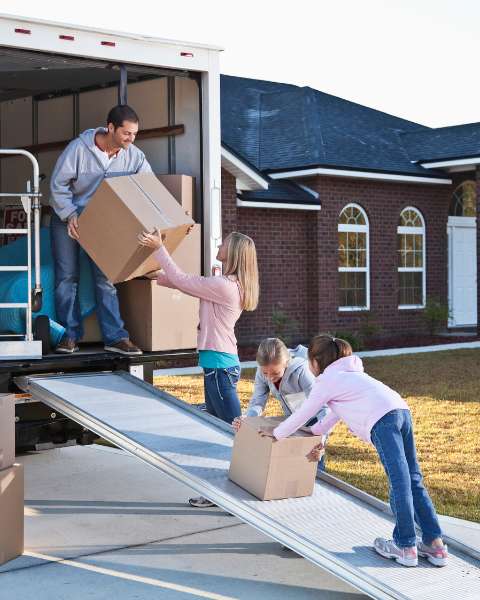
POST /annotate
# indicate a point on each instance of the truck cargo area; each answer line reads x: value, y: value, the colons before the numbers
x: 333, y: 528
x: 47, y: 99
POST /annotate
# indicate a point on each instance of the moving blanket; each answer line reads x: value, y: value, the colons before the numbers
x: 13, y: 286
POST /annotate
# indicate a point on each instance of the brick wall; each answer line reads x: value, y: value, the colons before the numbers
x: 297, y: 253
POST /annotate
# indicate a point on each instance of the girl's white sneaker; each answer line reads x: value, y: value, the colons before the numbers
x: 436, y: 556
x: 389, y: 549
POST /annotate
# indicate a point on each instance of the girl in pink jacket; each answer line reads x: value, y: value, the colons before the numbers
x: 222, y: 300
x: 378, y: 415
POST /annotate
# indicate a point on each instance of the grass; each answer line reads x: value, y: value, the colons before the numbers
x: 443, y: 392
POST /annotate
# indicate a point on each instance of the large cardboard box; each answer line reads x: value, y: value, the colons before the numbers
x: 121, y: 208
x: 159, y: 318
x: 7, y: 430
x: 11, y: 513
x: 269, y: 469
x: 182, y: 188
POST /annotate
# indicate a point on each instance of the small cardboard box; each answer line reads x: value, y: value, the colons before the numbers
x: 159, y: 318
x: 182, y: 188
x: 7, y: 430
x: 269, y: 469
x: 121, y: 208
x: 11, y: 513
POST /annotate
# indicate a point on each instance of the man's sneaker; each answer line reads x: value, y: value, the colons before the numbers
x: 67, y: 346
x: 436, y: 556
x: 389, y: 549
x: 123, y: 346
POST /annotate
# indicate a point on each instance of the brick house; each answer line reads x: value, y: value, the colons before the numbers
x: 359, y: 217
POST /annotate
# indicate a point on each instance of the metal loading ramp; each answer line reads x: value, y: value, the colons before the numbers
x: 333, y: 528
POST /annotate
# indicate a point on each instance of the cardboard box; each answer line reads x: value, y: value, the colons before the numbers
x: 120, y: 209
x: 159, y: 318
x: 182, y: 188
x: 11, y: 513
x: 7, y: 430
x: 269, y: 469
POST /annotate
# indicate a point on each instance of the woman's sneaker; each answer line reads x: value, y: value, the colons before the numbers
x: 201, y: 502
x: 436, y: 556
x: 389, y: 549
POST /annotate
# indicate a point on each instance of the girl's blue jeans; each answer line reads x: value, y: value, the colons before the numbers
x: 392, y: 436
x: 221, y: 398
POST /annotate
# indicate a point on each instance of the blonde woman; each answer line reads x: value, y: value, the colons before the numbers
x: 222, y: 300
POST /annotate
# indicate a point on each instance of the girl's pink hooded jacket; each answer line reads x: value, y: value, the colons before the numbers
x: 352, y: 396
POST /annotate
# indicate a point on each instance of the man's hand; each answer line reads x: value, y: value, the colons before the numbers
x: 316, y: 453
x: 151, y: 240
x: 72, y: 227
x: 267, y: 432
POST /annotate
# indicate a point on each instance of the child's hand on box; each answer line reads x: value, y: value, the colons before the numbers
x: 315, y: 453
x: 237, y: 423
x: 151, y: 240
x: 267, y: 432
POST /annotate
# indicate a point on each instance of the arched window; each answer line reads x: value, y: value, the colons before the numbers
x: 411, y: 259
x: 353, y: 259
x: 464, y: 200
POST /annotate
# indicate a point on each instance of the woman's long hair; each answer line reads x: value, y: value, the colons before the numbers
x: 242, y: 262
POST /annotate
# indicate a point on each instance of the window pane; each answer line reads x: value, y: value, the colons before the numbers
x: 410, y: 250
x: 410, y: 218
x: 352, y: 289
x: 352, y: 216
x: 464, y: 200
x: 410, y: 288
x: 342, y: 249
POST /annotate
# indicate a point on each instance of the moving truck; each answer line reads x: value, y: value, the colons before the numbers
x: 57, y: 80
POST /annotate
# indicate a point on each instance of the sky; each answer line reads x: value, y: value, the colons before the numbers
x: 416, y: 59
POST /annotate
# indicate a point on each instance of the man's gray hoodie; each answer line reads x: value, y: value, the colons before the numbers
x: 81, y: 168
x: 296, y: 379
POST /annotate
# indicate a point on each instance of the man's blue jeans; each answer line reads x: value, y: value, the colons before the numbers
x: 221, y: 398
x: 393, y: 438
x: 66, y: 257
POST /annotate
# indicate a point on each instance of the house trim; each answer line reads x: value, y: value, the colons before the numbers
x: 359, y: 175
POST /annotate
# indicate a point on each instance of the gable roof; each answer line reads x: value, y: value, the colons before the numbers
x: 282, y: 127
x: 457, y: 141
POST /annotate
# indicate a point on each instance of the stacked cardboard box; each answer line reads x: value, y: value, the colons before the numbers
x: 270, y: 469
x: 11, y: 485
x: 160, y: 318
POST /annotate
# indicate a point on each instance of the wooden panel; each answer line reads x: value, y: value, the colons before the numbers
x: 55, y: 119
x: 149, y: 100
x: 16, y: 123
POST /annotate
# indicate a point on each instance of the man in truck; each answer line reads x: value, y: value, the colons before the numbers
x: 80, y: 169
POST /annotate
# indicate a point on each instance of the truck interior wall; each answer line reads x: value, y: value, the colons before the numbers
x: 55, y: 121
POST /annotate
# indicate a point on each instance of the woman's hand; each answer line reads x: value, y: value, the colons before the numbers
x: 237, y: 423
x: 153, y: 274
x: 267, y: 432
x: 151, y: 240
x: 316, y: 453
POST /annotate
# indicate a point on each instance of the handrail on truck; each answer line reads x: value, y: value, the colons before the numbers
x: 31, y: 203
